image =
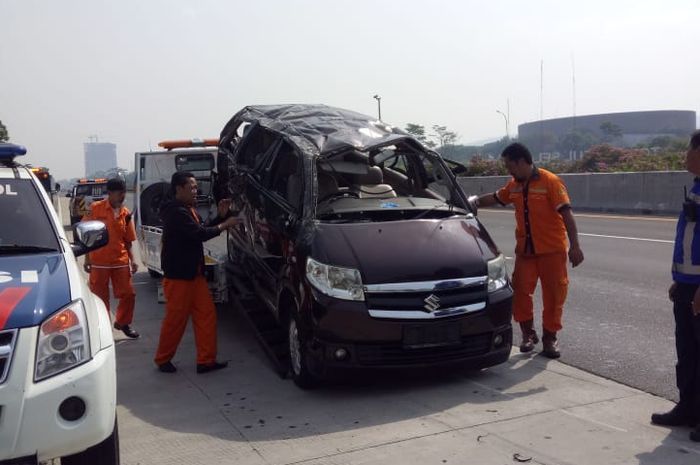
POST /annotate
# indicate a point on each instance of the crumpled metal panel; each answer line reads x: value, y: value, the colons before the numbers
x: 320, y: 129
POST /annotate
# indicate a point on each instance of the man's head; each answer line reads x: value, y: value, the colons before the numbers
x: 518, y: 161
x: 692, y: 156
x: 184, y: 187
x: 116, y: 192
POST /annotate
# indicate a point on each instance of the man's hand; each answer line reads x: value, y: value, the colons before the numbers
x: 229, y: 222
x: 87, y: 267
x: 575, y: 256
x: 224, y: 207
x: 696, y: 302
x: 134, y: 267
x: 672, y: 292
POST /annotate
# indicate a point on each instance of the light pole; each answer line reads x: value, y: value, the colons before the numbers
x: 379, y: 105
x: 505, y: 118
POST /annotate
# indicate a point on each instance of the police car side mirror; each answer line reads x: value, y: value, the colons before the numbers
x: 90, y: 235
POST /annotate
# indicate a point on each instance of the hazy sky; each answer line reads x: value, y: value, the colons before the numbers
x: 136, y: 72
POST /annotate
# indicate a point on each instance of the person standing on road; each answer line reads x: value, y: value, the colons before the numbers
x: 115, y: 261
x: 543, y: 221
x: 184, y: 284
x: 685, y: 295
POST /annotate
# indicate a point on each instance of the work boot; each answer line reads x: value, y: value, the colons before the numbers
x: 550, y: 346
x: 677, y: 416
x: 529, y: 336
x: 127, y: 330
x: 167, y: 367
x: 206, y: 368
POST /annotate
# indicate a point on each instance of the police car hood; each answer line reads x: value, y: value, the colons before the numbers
x: 32, y: 287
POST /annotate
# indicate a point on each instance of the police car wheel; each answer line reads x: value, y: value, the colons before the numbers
x: 298, y: 356
x: 104, y: 453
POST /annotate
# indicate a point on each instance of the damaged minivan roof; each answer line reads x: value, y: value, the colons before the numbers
x: 320, y: 129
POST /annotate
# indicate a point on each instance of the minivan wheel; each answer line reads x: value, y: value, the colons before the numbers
x: 298, y: 356
x: 104, y: 453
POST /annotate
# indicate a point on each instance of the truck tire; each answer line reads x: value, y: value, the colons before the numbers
x: 104, y: 453
x: 298, y: 355
x: 152, y: 199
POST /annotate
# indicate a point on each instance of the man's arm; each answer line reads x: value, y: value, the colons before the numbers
x: 575, y: 252
x: 488, y: 200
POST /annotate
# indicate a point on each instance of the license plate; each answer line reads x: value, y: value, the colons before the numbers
x: 418, y: 336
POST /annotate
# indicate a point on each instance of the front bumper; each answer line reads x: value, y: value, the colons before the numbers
x: 30, y: 423
x: 477, y: 340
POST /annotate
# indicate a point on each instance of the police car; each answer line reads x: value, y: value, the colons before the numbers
x: 57, y: 356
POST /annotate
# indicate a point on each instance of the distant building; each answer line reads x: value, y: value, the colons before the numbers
x: 567, y: 138
x: 99, y: 157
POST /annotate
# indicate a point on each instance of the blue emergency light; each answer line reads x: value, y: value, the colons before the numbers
x: 8, y: 151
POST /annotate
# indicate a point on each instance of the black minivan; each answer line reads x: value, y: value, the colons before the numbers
x: 361, y: 244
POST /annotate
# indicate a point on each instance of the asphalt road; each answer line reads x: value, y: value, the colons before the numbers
x: 618, y: 321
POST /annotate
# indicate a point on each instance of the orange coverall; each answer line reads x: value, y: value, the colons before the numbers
x: 111, y: 262
x: 541, y: 245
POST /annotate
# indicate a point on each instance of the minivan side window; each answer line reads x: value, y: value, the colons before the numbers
x: 255, y: 149
x: 285, y: 179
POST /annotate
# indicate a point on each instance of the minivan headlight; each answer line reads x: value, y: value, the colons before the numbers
x: 334, y: 281
x: 498, y: 275
x: 63, y: 343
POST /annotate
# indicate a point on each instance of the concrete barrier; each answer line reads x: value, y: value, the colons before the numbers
x: 650, y: 193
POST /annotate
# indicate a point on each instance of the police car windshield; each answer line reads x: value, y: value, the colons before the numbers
x: 26, y: 228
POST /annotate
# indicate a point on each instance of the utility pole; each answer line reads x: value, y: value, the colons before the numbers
x: 505, y: 118
x: 379, y: 105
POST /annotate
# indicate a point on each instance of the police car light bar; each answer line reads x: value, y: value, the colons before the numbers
x: 184, y: 143
x: 8, y: 151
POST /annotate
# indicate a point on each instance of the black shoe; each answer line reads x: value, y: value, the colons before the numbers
x: 675, y: 417
x: 167, y: 367
x: 202, y: 368
x: 126, y: 329
x: 695, y: 435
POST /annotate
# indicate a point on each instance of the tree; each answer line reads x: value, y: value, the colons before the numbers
x: 4, y: 135
x: 444, y: 136
x: 418, y: 131
x: 610, y: 131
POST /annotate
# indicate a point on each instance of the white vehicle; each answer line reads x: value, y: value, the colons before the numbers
x: 57, y: 357
x: 153, y: 172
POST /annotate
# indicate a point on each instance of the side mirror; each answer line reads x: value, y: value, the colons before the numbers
x: 473, y: 201
x: 90, y: 235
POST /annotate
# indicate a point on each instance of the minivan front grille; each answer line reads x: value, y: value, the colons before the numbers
x: 415, y: 296
x: 7, y: 345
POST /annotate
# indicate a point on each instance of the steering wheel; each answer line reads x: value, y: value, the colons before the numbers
x: 339, y: 194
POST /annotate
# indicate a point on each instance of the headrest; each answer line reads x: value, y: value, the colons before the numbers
x: 373, y: 176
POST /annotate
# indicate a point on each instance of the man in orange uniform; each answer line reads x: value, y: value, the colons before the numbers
x: 114, y: 261
x: 543, y: 221
x: 184, y: 284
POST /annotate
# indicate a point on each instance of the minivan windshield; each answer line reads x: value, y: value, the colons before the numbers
x: 390, y: 183
x: 29, y: 229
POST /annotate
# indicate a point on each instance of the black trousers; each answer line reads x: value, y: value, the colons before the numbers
x: 687, y: 349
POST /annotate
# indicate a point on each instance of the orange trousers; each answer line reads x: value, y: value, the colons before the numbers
x: 185, y: 297
x: 551, y: 270
x: 121, y: 288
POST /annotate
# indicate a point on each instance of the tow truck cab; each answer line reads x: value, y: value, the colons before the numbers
x: 83, y: 194
x: 153, y: 172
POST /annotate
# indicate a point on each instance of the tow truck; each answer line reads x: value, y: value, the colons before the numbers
x: 153, y: 172
x: 83, y: 194
x: 47, y: 182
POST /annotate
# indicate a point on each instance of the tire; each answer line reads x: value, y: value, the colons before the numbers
x: 152, y: 198
x: 298, y: 355
x: 154, y: 274
x: 104, y: 453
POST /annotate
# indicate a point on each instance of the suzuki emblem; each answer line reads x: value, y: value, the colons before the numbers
x: 432, y: 303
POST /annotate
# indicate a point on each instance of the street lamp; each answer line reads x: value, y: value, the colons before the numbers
x: 505, y: 118
x: 379, y: 105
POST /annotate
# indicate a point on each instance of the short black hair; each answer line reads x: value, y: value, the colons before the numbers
x: 180, y: 178
x: 517, y: 151
x: 695, y: 140
x: 116, y: 185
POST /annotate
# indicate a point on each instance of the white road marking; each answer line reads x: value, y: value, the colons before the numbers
x: 663, y: 241
x: 593, y: 215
